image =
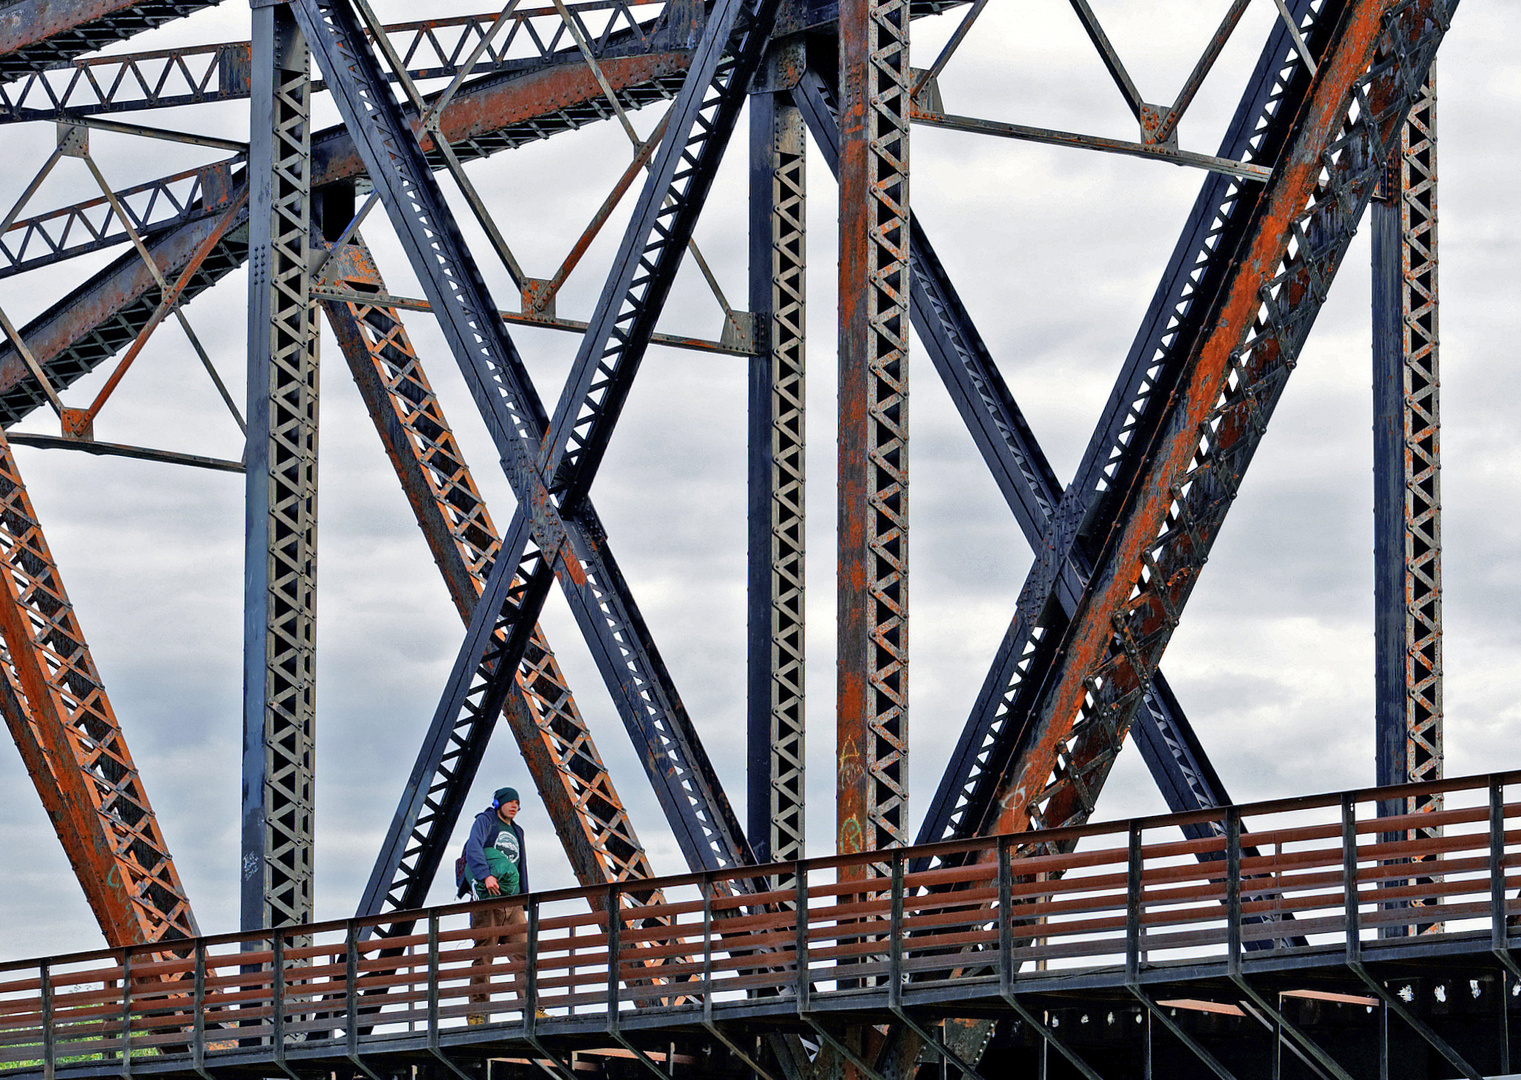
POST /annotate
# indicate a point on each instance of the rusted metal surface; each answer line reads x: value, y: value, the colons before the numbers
x: 1151, y: 559
x: 1111, y: 907
x: 38, y: 35
x: 872, y: 606
x: 168, y: 78
x: 61, y: 719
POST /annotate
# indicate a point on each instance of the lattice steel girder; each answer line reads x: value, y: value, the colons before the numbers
x: 94, y: 224
x: 1369, y: 75
x: 36, y: 36
x: 777, y: 537
x: 1019, y: 467
x: 62, y: 721
x: 171, y: 78
x: 492, y: 114
x: 872, y: 611
x: 513, y: 414
x: 280, y: 558
x: 579, y: 795
x: 1407, y: 495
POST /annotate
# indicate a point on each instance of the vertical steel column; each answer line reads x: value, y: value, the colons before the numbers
x: 872, y: 720
x: 1407, y: 494
x: 777, y: 401
x: 279, y: 647
x: 1407, y: 541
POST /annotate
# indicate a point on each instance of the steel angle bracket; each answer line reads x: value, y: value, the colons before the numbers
x: 712, y: 1028
x: 1393, y: 1003
x: 1155, y: 1010
x: 841, y: 1048
x: 1050, y: 1037
x: 940, y: 1045
x: 1307, y: 1044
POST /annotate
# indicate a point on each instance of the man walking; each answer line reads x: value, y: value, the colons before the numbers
x: 496, y: 865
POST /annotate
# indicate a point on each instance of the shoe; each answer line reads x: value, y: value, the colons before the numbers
x: 540, y: 1014
x: 475, y: 1020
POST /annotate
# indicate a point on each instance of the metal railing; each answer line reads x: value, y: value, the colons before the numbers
x: 1111, y: 904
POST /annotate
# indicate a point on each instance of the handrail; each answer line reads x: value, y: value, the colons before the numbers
x: 1120, y: 901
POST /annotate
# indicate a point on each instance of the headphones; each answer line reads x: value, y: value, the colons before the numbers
x: 494, y: 804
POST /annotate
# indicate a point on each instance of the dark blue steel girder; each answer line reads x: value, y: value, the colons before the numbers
x: 1019, y: 466
x: 555, y: 532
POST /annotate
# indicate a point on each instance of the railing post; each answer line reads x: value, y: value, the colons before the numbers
x: 800, y: 877
x: 530, y: 981
x: 895, y: 935
x: 707, y: 947
x: 614, y: 925
x: 1133, y: 907
x: 277, y: 990
x: 1005, y: 920
x: 351, y: 990
x: 126, y: 1012
x: 1497, y: 932
x: 198, y: 1035
x: 433, y: 979
x: 1233, y: 888
x: 49, y: 1051
x: 1349, y: 877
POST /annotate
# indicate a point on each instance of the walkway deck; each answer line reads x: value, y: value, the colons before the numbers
x: 1299, y: 892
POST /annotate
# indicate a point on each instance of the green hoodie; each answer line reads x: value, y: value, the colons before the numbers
x: 503, y: 869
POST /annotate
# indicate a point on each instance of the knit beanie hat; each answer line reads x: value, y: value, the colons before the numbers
x: 505, y: 795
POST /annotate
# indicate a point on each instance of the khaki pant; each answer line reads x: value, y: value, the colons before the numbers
x: 507, y: 938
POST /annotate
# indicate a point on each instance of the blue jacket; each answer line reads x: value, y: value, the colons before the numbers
x: 483, y: 834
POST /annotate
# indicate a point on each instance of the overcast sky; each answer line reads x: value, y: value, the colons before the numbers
x: 1055, y: 252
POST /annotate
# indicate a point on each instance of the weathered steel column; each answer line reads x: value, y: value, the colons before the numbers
x: 872, y: 722
x: 280, y: 556
x: 777, y: 409
x: 1407, y: 541
x: 1407, y: 494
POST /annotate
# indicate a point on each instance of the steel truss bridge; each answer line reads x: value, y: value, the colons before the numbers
x: 1030, y: 933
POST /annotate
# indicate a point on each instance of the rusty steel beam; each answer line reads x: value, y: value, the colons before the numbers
x: 200, y: 74
x: 34, y: 36
x: 588, y: 814
x: 1407, y: 488
x: 872, y: 692
x: 72, y: 743
x: 1169, y: 510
